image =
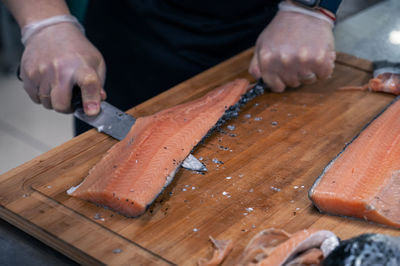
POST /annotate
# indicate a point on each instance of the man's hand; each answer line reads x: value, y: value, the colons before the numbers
x: 57, y: 58
x: 293, y: 49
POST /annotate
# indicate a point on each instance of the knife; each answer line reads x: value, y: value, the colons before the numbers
x: 116, y: 123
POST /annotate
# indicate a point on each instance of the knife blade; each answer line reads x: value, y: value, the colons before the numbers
x: 116, y: 123
x: 110, y: 120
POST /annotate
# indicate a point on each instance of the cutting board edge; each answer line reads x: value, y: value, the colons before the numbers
x: 17, y: 220
x: 50, y: 240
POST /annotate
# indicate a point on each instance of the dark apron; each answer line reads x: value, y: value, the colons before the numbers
x: 152, y: 45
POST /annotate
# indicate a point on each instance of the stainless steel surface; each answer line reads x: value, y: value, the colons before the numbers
x: 373, y: 33
x: 350, y: 7
x: 110, y: 120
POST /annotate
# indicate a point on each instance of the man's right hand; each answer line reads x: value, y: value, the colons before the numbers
x: 56, y: 59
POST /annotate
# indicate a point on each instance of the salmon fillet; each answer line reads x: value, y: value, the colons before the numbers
x: 135, y: 170
x: 363, y: 181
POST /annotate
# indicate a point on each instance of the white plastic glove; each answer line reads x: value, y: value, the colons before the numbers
x: 293, y: 49
x: 55, y: 59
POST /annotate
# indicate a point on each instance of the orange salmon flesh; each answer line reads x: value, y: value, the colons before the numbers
x: 363, y: 181
x: 135, y: 170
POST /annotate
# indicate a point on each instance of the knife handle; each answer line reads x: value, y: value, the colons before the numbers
x: 261, y: 83
x: 76, y: 99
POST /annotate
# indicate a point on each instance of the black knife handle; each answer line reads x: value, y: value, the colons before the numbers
x: 19, y: 72
x: 260, y: 82
x: 76, y: 99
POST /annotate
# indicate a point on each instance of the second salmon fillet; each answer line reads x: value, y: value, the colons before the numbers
x: 135, y: 170
x: 363, y: 181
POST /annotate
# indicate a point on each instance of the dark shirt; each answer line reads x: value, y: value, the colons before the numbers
x: 152, y: 45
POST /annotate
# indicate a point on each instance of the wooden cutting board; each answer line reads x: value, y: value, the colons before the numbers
x: 271, y: 155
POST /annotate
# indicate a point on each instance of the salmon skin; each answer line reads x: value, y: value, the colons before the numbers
x: 135, y: 170
x: 363, y: 181
x: 386, y: 82
x: 221, y: 250
x: 277, y: 247
x: 386, y: 78
x: 366, y: 250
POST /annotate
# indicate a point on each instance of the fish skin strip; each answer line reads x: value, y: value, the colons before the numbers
x: 221, y: 250
x: 363, y: 181
x: 135, y: 170
x: 277, y: 247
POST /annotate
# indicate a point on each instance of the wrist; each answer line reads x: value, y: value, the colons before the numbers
x: 318, y: 12
x: 327, y: 13
x: 318, y: 8
x: 33, y: 28
x: 28, y: 11
x: 328, y: 5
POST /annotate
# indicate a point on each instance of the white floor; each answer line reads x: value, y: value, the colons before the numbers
x: 27, y: 129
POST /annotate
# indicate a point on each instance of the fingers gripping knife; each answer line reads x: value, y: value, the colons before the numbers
x: 117, y: 124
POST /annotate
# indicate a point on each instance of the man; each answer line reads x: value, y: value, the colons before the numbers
x: 152, y: 45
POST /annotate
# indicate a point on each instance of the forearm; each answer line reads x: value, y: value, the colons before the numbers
x: 28, y: 11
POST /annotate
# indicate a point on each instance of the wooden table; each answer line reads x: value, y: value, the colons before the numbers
x: 280, y: 144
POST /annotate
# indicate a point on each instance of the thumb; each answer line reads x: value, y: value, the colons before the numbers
x: 91, y: 89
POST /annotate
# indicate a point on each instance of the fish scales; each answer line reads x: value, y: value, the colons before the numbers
x: 233, y: 111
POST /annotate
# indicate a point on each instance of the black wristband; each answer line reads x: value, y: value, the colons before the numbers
x: 331, y: 5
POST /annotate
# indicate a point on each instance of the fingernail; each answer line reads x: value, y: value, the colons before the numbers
x: 91, y: 108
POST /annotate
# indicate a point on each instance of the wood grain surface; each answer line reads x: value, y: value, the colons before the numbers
x: 278, y: 147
